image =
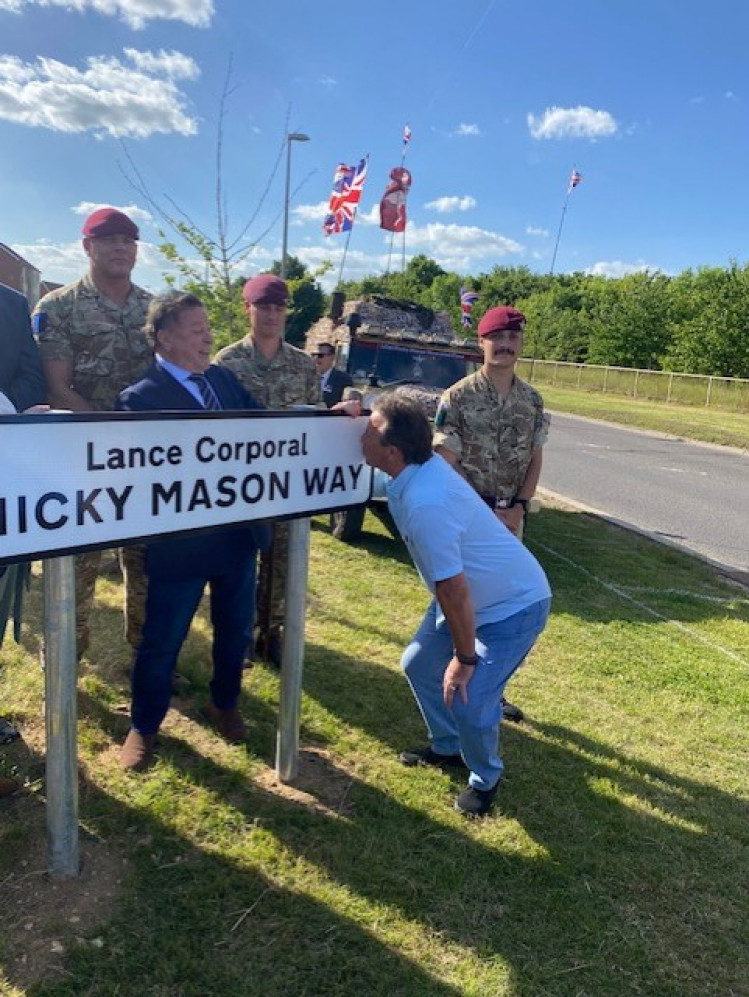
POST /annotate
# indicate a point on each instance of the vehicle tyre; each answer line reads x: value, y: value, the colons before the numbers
x: 347, y: 524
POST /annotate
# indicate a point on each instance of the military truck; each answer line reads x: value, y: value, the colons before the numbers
x: 388, y: 345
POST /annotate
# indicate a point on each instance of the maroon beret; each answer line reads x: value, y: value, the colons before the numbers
x: 265, y: 289
x: 503, y: 317
x: 109, y: 221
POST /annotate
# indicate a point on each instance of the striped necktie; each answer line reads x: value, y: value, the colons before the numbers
x: 207, y: 394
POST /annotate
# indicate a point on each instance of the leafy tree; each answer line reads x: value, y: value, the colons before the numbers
x: 631, y: 321
x: 711, y: 322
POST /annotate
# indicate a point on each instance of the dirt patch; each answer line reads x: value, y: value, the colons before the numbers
x: 43, y: 919
x: 320, y: 785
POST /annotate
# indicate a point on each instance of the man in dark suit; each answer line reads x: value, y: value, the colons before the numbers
x: 332, y: 380
x: 21, y: 375
x: 178, y: 570
x: 21, y: 387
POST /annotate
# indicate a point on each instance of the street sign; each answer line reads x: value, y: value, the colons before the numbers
x: 72, y: 482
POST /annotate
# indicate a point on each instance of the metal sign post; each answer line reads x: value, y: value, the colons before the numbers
x: 287, y: 742
x: 61, y: 717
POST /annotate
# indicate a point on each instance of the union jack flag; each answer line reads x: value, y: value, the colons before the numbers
x: 468, y: 299
x: 575, y: 179
x: 406, y: 136
x: 348, y: 183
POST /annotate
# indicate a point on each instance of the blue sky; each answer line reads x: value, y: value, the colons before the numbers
x: 648, y: 99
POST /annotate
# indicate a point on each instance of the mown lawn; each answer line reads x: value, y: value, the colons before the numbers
x: 615, y: 865
x: 693, y: 422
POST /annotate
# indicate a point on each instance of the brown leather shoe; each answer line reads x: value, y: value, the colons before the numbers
x: 229, y: 724
x: 8, y: 786
x: 137, y: 751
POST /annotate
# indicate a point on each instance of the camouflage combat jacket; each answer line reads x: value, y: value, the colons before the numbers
x: 493, y: 437
x: 290, y: 378
x: 104, y: 341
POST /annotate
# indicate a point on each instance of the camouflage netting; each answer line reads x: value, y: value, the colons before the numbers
x: 384, y: 316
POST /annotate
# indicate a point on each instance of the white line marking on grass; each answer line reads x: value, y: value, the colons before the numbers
x: 611, y: 587
x: 721, y: 600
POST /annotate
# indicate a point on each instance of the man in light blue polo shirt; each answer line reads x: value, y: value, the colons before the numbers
x: 491, y: 599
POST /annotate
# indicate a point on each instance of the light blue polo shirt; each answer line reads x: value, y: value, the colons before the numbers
x: 448, y: 529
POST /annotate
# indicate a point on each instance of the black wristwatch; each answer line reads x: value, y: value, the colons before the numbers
x: 521, y: 501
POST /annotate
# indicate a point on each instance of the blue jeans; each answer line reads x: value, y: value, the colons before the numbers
x: 170, y: 606
x: 470, y: 728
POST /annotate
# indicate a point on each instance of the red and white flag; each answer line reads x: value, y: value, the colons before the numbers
x: 393, y: 203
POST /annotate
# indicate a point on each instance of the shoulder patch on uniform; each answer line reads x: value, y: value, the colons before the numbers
x: 442, y: 410
x: 39, y: 322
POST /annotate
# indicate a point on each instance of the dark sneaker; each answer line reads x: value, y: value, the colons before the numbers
x: 512, y: 713
x: 8, y: 786
x: 269, y: 647
x: 425, y: 756
x: 476, y: 802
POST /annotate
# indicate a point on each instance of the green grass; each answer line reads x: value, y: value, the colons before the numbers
x: 616, y: 864
x: 709, y: 425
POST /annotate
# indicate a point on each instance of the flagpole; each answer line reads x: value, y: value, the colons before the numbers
x: 406, y: 140
x: 570, y: 187
x: 345, y: 250
x: 559, y: 233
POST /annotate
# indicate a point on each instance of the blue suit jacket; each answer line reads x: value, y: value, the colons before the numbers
x: 207, y: 555
x: 21, y: 375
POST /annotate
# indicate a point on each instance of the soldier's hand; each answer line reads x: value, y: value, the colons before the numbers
x: 512, y: 518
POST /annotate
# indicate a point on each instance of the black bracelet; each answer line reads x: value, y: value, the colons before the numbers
x: 467, y: 659
x: 521, y: 501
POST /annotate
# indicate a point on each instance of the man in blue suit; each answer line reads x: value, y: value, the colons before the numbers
x: 178, y: 570
x: 21, y: 375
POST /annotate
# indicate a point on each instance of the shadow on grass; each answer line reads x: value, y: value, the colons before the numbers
x: 570, y: 891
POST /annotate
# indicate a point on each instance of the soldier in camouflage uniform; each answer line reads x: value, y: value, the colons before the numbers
x: 491, y: 427
x: 278, y: 375
x: 92, y: 344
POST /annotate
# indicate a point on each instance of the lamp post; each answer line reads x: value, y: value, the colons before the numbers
x: 290, y: 137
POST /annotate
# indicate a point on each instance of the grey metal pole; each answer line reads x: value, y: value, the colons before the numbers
x: 61, y: 717
x: 290, y: 137
x: 287, y: 195
x: 287, y: 745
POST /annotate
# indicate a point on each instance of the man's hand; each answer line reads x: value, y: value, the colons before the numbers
x: 456, y: 679
x: 350, y: 407
x: 512, y: 518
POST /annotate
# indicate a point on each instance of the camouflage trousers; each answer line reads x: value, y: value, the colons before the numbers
x: 136, y: 583
x: 271, y: 582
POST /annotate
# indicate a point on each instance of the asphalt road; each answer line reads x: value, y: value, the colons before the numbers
x: 692, y: 495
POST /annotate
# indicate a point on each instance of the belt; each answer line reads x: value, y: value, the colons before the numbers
x: 495, y: 502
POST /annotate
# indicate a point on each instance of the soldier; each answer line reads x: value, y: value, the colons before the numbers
x: 490, y: 427
x: 92, y: 345
x: 278, y: 375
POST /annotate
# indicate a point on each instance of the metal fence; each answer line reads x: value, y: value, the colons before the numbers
x: 731, y: 393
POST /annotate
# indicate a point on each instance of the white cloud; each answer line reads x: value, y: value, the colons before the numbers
x: 310, y: 212
x: 729, y: 95
x: 533, y: 230
x: 456, y: 247
x: 131, y: 210
x: 108, y: 97
x: 572, y: 122
x: 328, y: 81
x: 616, y: 268
x: 452, y: 203
x: 173, y: 65
x: 135, y: 13
x: 463, y: 130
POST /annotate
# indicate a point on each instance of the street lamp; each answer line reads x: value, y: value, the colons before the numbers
x: 290, y: 137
